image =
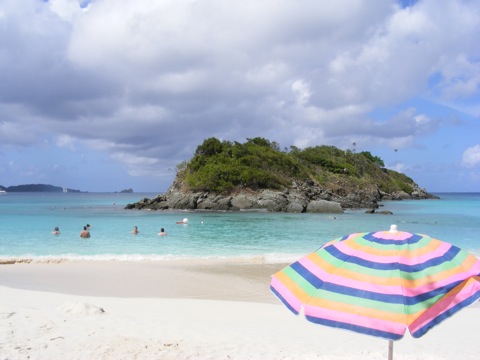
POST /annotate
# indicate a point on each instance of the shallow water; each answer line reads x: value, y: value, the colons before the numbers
x: 29, y: 218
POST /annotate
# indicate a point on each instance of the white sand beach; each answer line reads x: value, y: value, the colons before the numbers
x: 185, y: 310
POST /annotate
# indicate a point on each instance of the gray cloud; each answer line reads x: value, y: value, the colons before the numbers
x: 146, y: 81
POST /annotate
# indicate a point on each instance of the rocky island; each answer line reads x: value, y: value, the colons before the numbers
x: 258, y: 176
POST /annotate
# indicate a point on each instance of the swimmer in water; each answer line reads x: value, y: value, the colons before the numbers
x: 85, y: 234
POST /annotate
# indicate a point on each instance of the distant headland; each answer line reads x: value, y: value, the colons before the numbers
x: 37, y: 188
x: 46, y: 188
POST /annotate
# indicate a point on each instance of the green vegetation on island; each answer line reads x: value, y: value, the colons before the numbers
x: 224, y: 167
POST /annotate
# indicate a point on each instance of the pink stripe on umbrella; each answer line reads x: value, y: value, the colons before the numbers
x: 285, y: 292
x: 389, y: 235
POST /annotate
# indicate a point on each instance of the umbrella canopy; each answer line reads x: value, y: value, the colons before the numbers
x: 381, y: 283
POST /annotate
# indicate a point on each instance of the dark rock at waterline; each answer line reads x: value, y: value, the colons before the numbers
x: 265, y: 200
x: 383, y: 212
x: 306, y: 197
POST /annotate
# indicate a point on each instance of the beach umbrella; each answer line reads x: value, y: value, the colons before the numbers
x: 381, y: 283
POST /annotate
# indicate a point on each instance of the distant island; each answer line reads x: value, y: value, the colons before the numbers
x: 37, y: 188
x: 126, y: 191
x: 258, y: 175
x: 48, y: 188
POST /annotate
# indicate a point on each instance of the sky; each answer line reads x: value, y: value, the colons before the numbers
x: 106, y: 95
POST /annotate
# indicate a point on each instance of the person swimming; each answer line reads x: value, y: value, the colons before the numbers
x: 56, y: 231
x: 85, y: 233
x: 135, y: 230
x: 162, y: 232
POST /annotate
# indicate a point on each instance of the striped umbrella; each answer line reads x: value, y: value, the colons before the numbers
x: 381, y: 283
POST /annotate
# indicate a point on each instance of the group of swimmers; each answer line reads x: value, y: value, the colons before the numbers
x: 85, y: 233
x: 135, y: 231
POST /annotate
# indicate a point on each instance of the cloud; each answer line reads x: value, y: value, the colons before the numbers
x: 146, y: 82
x: 399, y: 167
x: 66, y: 9
x: 65, y: 141
x: 471, y: 156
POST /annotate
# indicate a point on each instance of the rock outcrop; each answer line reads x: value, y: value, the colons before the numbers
x: 306, y: 197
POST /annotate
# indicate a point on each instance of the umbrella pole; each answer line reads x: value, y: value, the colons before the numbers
x: 390, y: 349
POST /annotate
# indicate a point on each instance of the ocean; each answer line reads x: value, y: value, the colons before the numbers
x: 27, y: 221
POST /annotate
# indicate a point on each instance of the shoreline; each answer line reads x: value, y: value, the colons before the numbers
x: 184, y: 309
x: 270, y: 258
x: 199, y: 279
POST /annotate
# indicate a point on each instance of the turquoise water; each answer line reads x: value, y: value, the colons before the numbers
x: 27, y: 220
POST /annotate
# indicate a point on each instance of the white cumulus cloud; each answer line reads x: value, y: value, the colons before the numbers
x: 471, y: 156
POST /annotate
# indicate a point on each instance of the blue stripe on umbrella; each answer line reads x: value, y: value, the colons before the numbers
x: 450, y: 254
x: 356, y: 328
x: 411, y: 240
